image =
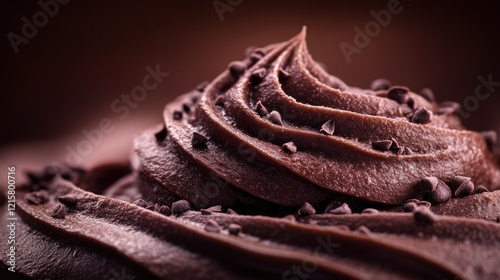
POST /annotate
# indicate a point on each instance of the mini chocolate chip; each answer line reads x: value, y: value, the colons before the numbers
x: 258, y: 75
x: 428, y: 94
x: 289, y: 217
x: 490, y: 137
x: 498, y: 219
x: 424, y: 203
x: 398, y: 94
x: 177, y: 115
x: 165, y: 210
x: 186, y: 108
x: 480, y: 189
x: 205, y: 212
x: 215, y: 208
x: 380, y: 84
x: 156, y: 207
x: 382, y: 145
x: 306, y: 210
x: 69, y: 200
x: 416, y: 201
x: 408, y: 151
x: 363, y: 229
x: 275, y: 118
x: 151, y: 207
x: 395, y: 144
x: 141, y: 203
x: 59, y: 212
x: 212, y: 226
x: 369, y: 211
x: 236, y: 68
x: 180, y: 206
x: 161, y: 135
x: 260, y: 109
x: 428, y: 184
x: 424, y: 216
x: 422, y: 116
x: 328, y: 127
x: 466, y: 188
x: 448, y: 107
x: 400, y: 150
x: 199, y: 140
x: 441, y: 194
x: 341, y: 210
x: 289, y: 147
x: 234, y: 229
x: 283, y: 74
x: 37, y: 197
x: 409, y: 206
x: 254, y: 57
x: 231, y: 212
x: 249, y: 50
x: 411, y: 102
x: 220, y: 100
x: 201, y: 87
x: 457, y: 181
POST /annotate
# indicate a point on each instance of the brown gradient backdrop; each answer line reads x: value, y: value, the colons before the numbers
x: 66, y: 77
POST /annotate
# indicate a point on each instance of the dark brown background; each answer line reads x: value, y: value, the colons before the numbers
x: 66, y: 77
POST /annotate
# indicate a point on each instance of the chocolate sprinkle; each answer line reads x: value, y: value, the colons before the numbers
x: 380, y: 84
x: 490, y: 137
x: 165, y: 210
x: 38, y: 197
x: 422, y: 116
x: 306, y: 210
x: 341, y: 210
x: 382, y: 145
x: 231, y: 212
x: 369, y: 211
x: 441, y: 194
x: 234, y: 229
x: 140, y: 203
x: 69, y: 200
x: 236, y: 68
x: 428, y: 184
x: 428, y: 94
x: 258, y: 75
x: 328, y: 128
x: 161, y: 135
x: 177, y: 115
x: 480, y: 189
x: 59, y: 212
x: 289, y: 147
x: 180, y: 206
x: 424, y: 216
x: 260, y: 109
x: 212, y: 226
x: 398, y: 94
x: 199, y: 140
x: 275, y: 118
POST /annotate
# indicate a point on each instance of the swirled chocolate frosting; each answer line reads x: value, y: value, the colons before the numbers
x: 276, y: 170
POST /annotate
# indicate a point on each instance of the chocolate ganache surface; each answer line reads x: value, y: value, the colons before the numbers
x: 275, y: 170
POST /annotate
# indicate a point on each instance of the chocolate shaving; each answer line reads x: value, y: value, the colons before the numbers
x: 260, y: 109
x: 380, y: 84
x: 328, y: 127
x: 212, y: 226
x: 421, y: 116
x: 199, y: 140
x: 306, y: 210
x: 289, y: 147
x: 275, y: 118
x: 59, y: 212
x: 398, y: 94
x: 180, y: 207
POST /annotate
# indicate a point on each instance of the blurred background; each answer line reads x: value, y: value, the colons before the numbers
x: 85, y: 54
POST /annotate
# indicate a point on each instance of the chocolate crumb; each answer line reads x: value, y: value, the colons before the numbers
x: 490, y: 137
x: 466, y: 188
x: 398, y: 94
x: 212, y: 226
x: 201, y: 87
x: 428, y: 184
x: 275, y: 118
x: 220, y: 100
x: 234, y: 229
x: 480, y: 189
x: 37, y: 197
x: 428, y: 94
x: 409, y: 206
x: 306, y: 210
x: 165, y: 210
x: 258, y: 75
x: 180, y: 206
x: 69, y: 200
x: 283, y: 74
x: 341, y: 210
x: 424, y: 216
x: 177, y: 115
x: 260, y: 109
x: 236, y: 68
x: 441, y: 194
x: 328, y: 127
x: 59, y: 212
x: 141, y: 203
x: 369, y: 211
x: 380, y: 84
x: 199, y: 140
x: 422, y: 116
x: 161, y: 135
x: 363, y: 229
x: 289, y: 147
x: 382, y: 145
